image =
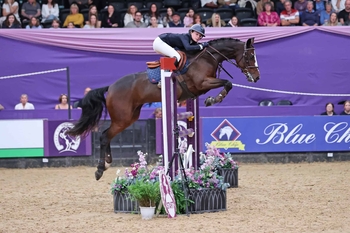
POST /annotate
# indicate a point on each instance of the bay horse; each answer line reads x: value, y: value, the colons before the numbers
x: 126, y: 96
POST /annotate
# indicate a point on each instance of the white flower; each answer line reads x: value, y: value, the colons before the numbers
x: 118, y: 171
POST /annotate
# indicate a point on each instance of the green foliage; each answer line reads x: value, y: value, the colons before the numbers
x: 145, y: 192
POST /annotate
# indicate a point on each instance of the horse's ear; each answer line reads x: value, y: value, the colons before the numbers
x: 249, y: 43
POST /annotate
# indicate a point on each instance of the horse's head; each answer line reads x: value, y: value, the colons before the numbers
x: 242, y: 52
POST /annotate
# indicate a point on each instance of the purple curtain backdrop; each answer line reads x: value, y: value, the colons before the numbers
x: 314, y: 61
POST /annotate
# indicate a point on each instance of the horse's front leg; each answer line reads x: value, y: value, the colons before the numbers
x: 223, y: 93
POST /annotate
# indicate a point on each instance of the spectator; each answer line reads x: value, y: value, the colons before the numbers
x: 11, y: 22
x: 319, y: 5
x: 168, y: 17
x: 228, y: 4
x: 154, y: 23
x: 260, y: 6
x: 1, y: 107
x: 63, y: 99
x: 30, y: 9
x: 176, y: 21
x: 137, y: 23
x: 338, y: 5
x: 325, y: 14
x: 111, y: 19
x: 55, y: 24
x: 93, y: 22
x: 247, y: 4
x: 130, y: 15
x: 9, y: 7
x: 197, y: 19
x: 188, y: 20
x: 24, y: 103
x: 346, y: 108
x: 49, y: 11
x: 329, y: 110
x: 33, y: 24
x: 290, y: 16
x: 333, y: 20
x: 153, y: 12
x: 79, y: 104
x: 215, y: 21
x: 75, y: 17
x: 280, y: 6
x: 153, y: 105
x: 268, y: 17
x: 233, y: 22
x: 344, y: 14
x: 82, y: 4
x: 182, y: 103
x: 93, y: 11
x: 71, y: 25
x: 300, y: 6
x: 209, y: 3
x: 158, y: 113
x: 310, y: 17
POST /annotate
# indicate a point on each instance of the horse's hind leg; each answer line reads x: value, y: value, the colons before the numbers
x: 105, y: 149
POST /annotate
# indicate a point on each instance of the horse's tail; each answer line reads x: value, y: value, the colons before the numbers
x: 92, y: 107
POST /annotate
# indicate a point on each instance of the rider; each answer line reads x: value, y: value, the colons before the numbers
x: 166, y: 42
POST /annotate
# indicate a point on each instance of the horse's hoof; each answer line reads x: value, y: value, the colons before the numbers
x: 98, y: 174
x: 208, y: 101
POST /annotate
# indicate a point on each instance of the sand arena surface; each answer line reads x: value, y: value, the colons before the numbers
x: 270, y: 198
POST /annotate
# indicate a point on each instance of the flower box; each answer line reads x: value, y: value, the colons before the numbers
x: 207, y: 200
x: 230, y: 176
x: 123, y: 203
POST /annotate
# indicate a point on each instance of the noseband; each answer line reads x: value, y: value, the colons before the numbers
x: 246, y: 62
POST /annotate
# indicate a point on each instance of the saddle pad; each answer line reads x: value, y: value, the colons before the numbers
x: 153, y: 75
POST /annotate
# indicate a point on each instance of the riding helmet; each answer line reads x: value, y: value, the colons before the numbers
x: 198, y: 28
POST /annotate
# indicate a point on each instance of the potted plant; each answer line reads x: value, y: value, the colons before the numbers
x: 147, y: 194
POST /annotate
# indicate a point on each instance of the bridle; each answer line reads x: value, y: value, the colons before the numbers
x: 246, y: 62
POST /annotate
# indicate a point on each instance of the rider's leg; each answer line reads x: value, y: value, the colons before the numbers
x: 163, y: 48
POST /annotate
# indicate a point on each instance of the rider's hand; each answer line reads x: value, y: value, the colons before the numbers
x: 205, y: 44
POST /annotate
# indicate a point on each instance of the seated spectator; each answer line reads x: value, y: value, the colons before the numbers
x: 158, y: 113
x: 310, y: 17
x: 197, y: 19
x: 325, y: 14
x: 82, y: 4
x: 329, y: 110
x: 137, y: 23
x: 346, y: 108
x: 71, y: 25
x: 93, y: 22
x: 11, y: 22
x: 111, y: 19
x: 79, y: 104
x: 9, y: 7
x: 153, y: 12
x: 300, y: 6
x: 333, y: 20
x: 209, y: 3
x: 268, y: 17
x: 338, y: 5
x: 260, y: 6
x: 130, y: 15
x: 248, y: 4
x: 319, y: 6
x: 30, y: 9
x: 75, y: 17
x: 188, y: 20
x: 176, y: 21
x: 93, y: 11
x: 280, y: 6
x: 1, y: 107
x: 33, y: 24
x: 215, y: 21
x: 55, y: 24
x: 232, y: 4
x: 63, y: 99
x: 24, y: 103
x: 168, y: 17
x: 233, y: 22
x: 344, y: 14
x: 154, y: 23
x: 290, y: 16
x: 49, y: 11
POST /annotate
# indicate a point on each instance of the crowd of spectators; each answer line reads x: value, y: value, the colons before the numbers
x: 89, y: 14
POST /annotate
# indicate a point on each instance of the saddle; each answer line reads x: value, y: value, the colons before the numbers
x: 156, y: 64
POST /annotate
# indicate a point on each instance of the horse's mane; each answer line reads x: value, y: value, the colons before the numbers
x: 211, y: 42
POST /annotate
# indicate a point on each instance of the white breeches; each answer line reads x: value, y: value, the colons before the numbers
x: 163, y: 48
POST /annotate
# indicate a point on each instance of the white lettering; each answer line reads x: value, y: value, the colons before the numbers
x: 278, y: 133
x: 335, y: 132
